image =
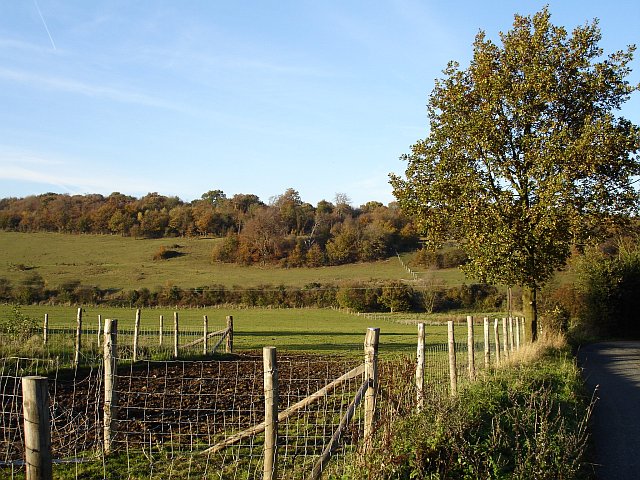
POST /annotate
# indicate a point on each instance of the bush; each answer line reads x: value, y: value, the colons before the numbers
x: 164, y: 253
x: 18, y: 326
x: 397, y: 297
x: 608, y: 288
x: 448, y: 258
x: 358, y: 297
x: 30, y: 290
x: 6, y: 291
x: 557, y: 306
x: 315, y: 256
x: 227, y: 250
x: 476, y: 296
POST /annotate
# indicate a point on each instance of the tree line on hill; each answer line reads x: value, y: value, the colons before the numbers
x: 286, y: 231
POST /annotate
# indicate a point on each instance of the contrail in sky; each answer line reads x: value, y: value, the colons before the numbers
x: 45, y: 25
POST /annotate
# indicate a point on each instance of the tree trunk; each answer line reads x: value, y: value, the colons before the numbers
x: 530, y: 310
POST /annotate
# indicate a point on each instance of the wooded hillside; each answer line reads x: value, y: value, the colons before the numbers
x: 284, y: 231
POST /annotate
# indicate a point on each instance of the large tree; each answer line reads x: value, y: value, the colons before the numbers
x: 525, y: 156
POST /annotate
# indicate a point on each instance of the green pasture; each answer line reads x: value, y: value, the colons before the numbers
x: 111, y: 261
x: 300, y: 330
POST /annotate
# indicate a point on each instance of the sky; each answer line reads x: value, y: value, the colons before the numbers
x: 183, y: 97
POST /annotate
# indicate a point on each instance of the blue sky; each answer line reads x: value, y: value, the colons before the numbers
x: 183, y: 97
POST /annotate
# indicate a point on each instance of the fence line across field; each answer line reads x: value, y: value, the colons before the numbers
x: 220, y: 417
x: 141, y: 337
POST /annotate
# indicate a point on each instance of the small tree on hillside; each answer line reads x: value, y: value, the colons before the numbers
x: 525, y: 157
x: 396, y: 296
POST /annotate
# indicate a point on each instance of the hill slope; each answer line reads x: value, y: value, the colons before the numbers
x: 111, y: 261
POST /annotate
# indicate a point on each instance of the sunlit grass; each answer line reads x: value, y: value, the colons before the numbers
x: 111, y: 261
x: 304, y: 330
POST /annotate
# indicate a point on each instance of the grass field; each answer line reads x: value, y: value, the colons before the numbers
x: 111, y: 261
x: 307, y: 330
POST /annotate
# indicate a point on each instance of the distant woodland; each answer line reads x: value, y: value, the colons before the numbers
x: 285, y: 231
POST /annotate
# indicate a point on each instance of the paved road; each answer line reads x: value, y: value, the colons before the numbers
x: 615, y: 368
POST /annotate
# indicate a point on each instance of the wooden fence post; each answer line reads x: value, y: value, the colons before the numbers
x: 99, y: 329
x: 420, y: 368
x: 136, y: 332
x: 270, y: 413
x: 471, y: 349
x: 229, y: 345
x: 453, y: 370
x: 487, y: 344
x: 524, y: 330
x: 496, y: 336
x: 205, y: 332
x: 371, y: 377
x: 176, y: 334
x: 160, y: 332
x: 45, y: 329
x: 76, y: 357
x: 110, y: 393
x: 511, y: 334
x: 37, y: 429
x: 517, y: 320
x: 505, y: 338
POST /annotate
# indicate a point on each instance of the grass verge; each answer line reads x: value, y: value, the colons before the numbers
x: 525, y: 421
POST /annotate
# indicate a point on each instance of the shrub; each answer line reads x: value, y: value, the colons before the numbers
x: 476, y: 296
x: 358, y: 297
x: 453, y: 258
x: 227, y: 250
x: 447, y: 258
x: 608, y: 288
x: 18, y: 326
x: 30, y: 290
x: 6, y: 291
x: 396, y: 296
x: 315, y: 256
x: 557, y: 306
x: 164, y: 253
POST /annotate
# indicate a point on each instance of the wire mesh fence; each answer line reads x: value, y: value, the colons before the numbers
x: 149, y: 343
x: 174, y: 418
x: 74, y: 410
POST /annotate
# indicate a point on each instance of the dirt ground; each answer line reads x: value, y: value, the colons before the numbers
x: 177, y: 402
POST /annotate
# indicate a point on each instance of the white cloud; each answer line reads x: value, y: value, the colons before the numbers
x: 11, y: 45
x: 82, y: 88
x: 66, y: 174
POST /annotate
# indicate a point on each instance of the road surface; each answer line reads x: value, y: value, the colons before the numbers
x: 614, y: 368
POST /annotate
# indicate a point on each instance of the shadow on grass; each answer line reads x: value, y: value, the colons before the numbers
x: 301, y: 333
x: 328, y: 342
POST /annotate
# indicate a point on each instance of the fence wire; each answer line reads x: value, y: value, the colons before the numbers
x: 75, y: 410
x: 172, y: 414
x: 61, y: 343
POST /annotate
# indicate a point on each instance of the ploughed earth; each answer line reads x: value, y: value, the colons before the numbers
x: 184, y: 403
